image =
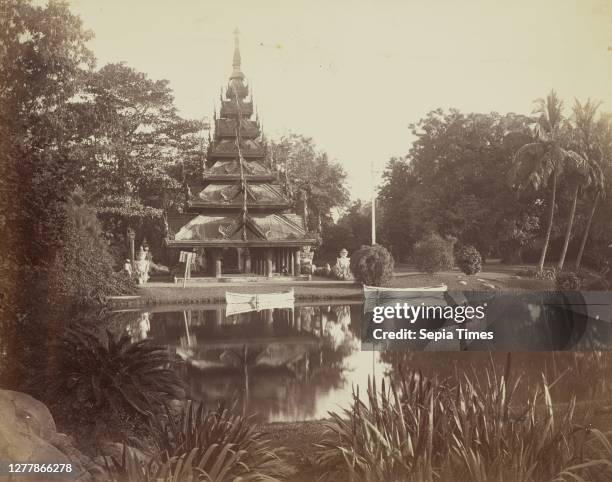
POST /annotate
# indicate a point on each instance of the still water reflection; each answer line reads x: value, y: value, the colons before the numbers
x: 291, y: 364
x: 280, y: 364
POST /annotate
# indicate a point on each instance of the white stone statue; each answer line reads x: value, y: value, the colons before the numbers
x: 343, y: 265
x: 306, y: 256
x: 142, y: 266
x: 139, y: 328
x: 127, y: 268
x: 144, y: 326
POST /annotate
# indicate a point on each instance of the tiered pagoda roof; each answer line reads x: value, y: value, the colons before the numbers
x: 239, y: 201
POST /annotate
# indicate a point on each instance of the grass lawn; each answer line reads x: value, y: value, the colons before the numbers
x: 493, y: 277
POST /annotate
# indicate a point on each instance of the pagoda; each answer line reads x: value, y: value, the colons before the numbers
x: 238, y: 218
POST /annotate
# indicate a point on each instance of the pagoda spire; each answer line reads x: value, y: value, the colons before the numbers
x: 237, y: 60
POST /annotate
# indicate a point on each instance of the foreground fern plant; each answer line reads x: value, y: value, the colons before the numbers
x: 110, y: 374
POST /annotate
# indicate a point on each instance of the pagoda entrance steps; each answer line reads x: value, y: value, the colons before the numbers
x: 243, y: 278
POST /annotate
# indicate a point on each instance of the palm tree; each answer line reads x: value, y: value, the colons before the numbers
x: 597, y: 136
x: 541, y: 162
x: 581, y: 174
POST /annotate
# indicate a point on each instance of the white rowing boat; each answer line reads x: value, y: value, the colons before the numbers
x: 238, y: 308
x: 243, y: 302
x: 375, y: 289
x: 259, y: 298
x: 427, y: 295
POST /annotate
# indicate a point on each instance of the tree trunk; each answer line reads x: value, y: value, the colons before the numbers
x: 305, y: 209
x: 551, y: 214
x: 568, y: 231
x: 585, y: 235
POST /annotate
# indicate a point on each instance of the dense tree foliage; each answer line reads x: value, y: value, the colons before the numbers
x: 111, y: 133
x: 43, y: 55
x: 137, y: 148
x: 543, y: 160
x: 351, y: 231
x: 453, y: 182
x: 310, y: 177
x: 487, y: 179
x: 593, y: 138
x: 82, y: 272
x: 43, y: 60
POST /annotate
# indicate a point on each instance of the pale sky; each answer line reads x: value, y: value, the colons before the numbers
x: 353, y: 75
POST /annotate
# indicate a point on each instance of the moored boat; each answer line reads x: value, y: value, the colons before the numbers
x: 260, y: 299
x: 428, y: 295
x: 375, y: 289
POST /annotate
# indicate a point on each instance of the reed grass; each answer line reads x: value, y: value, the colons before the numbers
x: 204, y: 445
x: 421, y: 430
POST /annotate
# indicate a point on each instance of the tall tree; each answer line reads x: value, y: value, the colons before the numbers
x: 453, y: 182
x: 137, y: 147
x: 44, y: 56
x: 581, y: 172
x: 595, y: 139
x: 314, y: 182
x: 394, y: 198
x: 541, y: 162
x: 351, y: 231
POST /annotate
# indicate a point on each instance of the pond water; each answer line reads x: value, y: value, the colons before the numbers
x: 294, y: 364
x: 278, y: 364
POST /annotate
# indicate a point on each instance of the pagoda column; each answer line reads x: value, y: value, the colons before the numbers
x: 218, y: 317
x: 295, y: 262
x: 239, y: 257
x: 247, y: 261
x: 269, y: 270
x: 297, y: 269
x: 269, y: 314
x: 217, y: 256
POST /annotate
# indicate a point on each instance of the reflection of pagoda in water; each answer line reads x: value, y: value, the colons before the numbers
x: 210, y: 339
x: 272, y: 360
x: 239, y: 219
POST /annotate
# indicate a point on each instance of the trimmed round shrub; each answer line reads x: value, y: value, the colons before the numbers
x: 372, y: 265
x: 568, y: 280
x: 468, y: 260
x: 433, y: 253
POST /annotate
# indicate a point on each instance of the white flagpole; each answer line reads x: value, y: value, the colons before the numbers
x: 373, y: 207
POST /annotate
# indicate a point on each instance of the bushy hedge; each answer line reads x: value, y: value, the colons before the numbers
x: 82, y: 272
x: 568, y: 280
x: 468, y: 259
x: 372, y: 265
x: 546, y: 274
x: 433, y: 253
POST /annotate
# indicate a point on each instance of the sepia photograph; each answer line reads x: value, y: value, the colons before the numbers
x: 305, y: 240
